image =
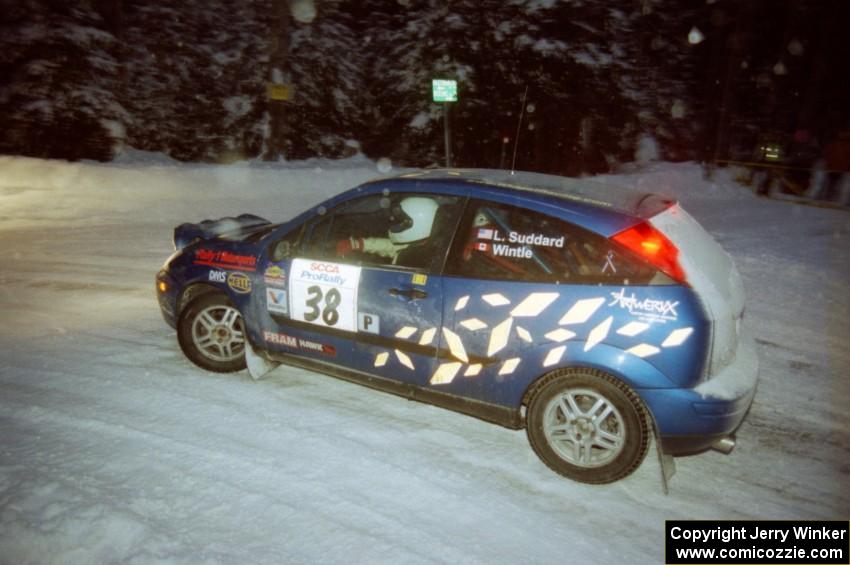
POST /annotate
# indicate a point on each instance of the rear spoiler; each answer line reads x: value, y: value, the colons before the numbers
x: 650, y: 205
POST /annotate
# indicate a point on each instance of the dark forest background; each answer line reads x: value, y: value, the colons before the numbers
x: 605, y: 79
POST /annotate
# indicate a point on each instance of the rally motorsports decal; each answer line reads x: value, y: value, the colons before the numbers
x: 299, y: 343
x: 225, y: 260
x: 276, y: 301
x: 324, y: 294
x: 239, y: 282
x: 646, y: 308
x: 275, y: 276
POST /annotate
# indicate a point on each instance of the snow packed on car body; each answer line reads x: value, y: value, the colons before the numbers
x: 591, y: 315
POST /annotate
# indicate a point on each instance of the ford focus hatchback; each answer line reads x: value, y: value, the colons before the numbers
x: 590, y: 315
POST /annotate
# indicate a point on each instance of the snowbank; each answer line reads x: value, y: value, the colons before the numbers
x: 116, y: 449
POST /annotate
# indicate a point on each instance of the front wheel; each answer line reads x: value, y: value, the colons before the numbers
x: 587, y: 425
x: 212, y: 334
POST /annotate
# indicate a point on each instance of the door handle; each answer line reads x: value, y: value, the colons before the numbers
x: 410, y: 294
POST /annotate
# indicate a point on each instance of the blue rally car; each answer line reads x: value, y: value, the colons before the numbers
x: 592, y: 316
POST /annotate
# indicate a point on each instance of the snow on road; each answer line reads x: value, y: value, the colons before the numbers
x: 114, y: 448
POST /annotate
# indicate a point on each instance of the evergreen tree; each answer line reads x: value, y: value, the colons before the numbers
x: 194, y: 77
x: 58, y: 82
x: 328, y: 75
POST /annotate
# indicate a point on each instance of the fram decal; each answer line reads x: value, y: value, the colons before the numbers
x: 659, y: 309
x: 218, y: 276
x: 275, y: 276
x: 225, y: 260
x: 239, y: 282
x: 280, y: 339
x: 298, y: 343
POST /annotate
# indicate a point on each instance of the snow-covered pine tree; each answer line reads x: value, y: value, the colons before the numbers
x: 58, y: 76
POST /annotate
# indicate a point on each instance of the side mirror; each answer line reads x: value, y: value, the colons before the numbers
x: 280, y: 251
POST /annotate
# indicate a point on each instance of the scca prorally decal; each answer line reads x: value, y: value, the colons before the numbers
x: 239, y: 282
x: 324, y: 294
x: 218, y: 276
x: 327, y: 273
x: 658, y: 309
x: 225, y: 260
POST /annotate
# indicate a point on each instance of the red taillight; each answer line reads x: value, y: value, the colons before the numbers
x: 651, y: 244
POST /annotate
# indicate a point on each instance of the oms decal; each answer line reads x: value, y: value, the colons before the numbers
x: 218, y: 276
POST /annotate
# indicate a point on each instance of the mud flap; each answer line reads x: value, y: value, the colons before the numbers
x: 257, y: 366
x: 666, y: 462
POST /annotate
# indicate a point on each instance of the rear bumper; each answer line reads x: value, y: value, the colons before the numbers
x: 691, y: 420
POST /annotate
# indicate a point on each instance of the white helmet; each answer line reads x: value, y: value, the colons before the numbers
x: 412, y: 219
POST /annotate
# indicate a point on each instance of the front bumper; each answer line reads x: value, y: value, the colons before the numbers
x: 166, y: 294
x: 690, y: 420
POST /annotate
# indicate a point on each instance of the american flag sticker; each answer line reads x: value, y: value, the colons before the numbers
x: 485, y: 233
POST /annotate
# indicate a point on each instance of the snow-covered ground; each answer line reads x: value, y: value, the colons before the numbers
x: 114, y: 448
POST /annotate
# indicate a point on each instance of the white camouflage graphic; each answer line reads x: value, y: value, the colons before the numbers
x: 578, y: 314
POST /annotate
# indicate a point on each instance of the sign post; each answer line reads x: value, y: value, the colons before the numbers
x: 445, y: 91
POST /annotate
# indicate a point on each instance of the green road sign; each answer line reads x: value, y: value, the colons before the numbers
x: 444, y: 90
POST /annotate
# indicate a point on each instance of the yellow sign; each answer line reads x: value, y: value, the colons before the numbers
x: 278, y: 91
x: 420, y: 279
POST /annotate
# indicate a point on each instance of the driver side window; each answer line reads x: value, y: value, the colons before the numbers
x: 404, y: 230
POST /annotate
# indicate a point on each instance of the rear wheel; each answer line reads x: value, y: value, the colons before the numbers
x: 212, y: 335
x: 587, y: 425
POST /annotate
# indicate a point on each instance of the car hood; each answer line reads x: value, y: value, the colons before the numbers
x: 229, y: 228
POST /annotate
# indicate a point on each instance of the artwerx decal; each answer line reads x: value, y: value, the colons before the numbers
x: 655, y: 309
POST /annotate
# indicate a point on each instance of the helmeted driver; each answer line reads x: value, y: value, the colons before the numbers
x: 412, y: 220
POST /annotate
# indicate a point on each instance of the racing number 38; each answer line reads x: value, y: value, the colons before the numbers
x: 324, y: 294
x: 329, y: 313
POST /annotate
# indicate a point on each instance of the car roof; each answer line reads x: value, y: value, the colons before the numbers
x: 603, y: 208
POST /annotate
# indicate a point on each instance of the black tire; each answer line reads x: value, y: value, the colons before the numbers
x: 587, y: 425
x: 211, y: 334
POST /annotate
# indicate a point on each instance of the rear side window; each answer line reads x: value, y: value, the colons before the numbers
x: 502, y: 242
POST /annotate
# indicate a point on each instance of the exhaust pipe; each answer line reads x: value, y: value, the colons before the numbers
x: 724, y: 445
